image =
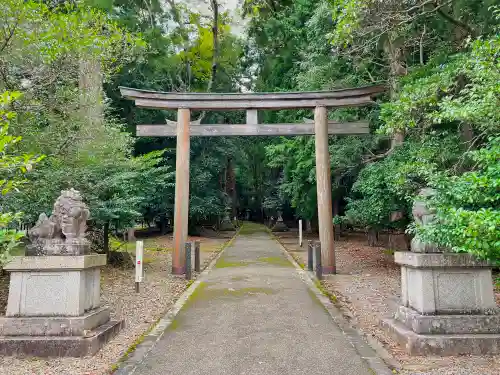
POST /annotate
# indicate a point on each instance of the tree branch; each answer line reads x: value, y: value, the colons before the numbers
x: 454, y: 21
x: 9, y: 36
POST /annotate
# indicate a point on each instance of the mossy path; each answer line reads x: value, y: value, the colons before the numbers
x: 252, y: 314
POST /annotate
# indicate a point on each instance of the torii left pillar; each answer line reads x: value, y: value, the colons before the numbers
x: 181, y: 191
x: 324, y: 191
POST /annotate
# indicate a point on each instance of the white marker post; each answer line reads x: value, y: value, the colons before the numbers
x: 139, y: 251
x: 300, y: 233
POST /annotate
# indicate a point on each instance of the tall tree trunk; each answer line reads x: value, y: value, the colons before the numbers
x: 163, y: 225
x: 91, y: 94
x: 336, y: 212
x: 372, y: 235
x: 395, y: 58
x: 308, y: 226
x: 231, y: 187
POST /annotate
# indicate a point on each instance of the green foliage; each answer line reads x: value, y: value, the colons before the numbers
x: 391, y: 184
x: 13, y: 167
x: 464, y: 89
x: 180, y: 58
x: 48, y: 35
x: 439, y: 58
x: 296, y: 158
x: 348, y: 16
x: 467, y: 206
x: 58, y: 58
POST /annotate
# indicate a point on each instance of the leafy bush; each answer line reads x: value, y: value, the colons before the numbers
x: 13, y: 166
x: 467, y: 207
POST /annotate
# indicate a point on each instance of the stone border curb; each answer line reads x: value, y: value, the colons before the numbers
x: 140, y: 351
x: 371, y: 351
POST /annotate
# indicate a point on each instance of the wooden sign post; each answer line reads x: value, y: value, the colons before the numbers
x: 300, y: 232
x: 139, y: 255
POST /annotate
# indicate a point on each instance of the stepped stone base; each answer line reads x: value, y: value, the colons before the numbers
x: 448, y: 324
x: 442, y: 344
x: 448, y: 306
x: 61, y: 346
x: 54, y: 308
x: 226, y: 226
x: 280, y: 226
x: 53, y: 325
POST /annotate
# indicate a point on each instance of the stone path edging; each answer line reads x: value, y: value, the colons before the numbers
x: 372, y: 352
x: 141, y: 351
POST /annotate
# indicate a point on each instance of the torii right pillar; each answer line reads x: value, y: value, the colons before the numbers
x: 324, y: 189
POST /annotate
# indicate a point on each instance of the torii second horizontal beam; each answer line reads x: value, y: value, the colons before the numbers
x: 254, y: 104
x: 334, y: 128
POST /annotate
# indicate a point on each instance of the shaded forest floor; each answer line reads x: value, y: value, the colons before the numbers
x: 368, y: 288
x: 158, y: 293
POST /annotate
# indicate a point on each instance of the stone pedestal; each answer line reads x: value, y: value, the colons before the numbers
x: 448, y: 305
x: 226, y: 225
x: 279, y: 226
x: 54, y: 307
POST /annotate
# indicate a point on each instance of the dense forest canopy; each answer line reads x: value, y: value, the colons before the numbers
x: 64, y: 124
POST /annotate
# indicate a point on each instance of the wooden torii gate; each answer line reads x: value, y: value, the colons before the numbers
x: 252, y: 102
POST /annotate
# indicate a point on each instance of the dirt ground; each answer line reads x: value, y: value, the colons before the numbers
x: 367, y: 287
x: 158, y: 293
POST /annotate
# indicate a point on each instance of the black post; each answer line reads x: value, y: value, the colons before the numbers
x: 188, y: 261
x: 197, y: 256
x: 317, y: 251
x: 310, y: 260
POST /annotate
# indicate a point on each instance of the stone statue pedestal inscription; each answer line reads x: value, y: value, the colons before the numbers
x: 448, y: 306
x: 54, y: 295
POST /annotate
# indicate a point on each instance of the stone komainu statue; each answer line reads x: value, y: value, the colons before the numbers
x: 63, y: 233
x: 423, y: 215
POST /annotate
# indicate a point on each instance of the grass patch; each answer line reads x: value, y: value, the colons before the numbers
x: 251, y: 228
x: 147, y: 260
x: 133, y: 346
x: 299, y: 261
x: 389, y: 251
x: 323, y: 290
x: 277, y: 261
x: 224, y: 263
x: 209, y: 248
x: 211, y: 294
x: 195, y: 295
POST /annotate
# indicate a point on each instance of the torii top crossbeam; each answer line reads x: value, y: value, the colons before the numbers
x: 270, y: 100
x: 252, y: 102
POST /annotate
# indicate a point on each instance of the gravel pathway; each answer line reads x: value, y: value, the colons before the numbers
x: 158, y: 293
x: 368, y: 289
